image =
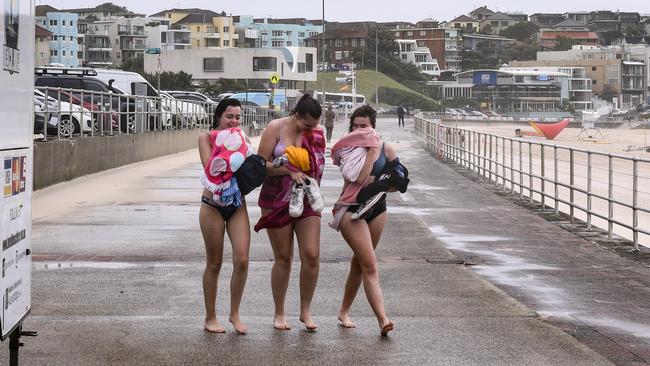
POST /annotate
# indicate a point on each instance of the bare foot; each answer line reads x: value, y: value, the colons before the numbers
x: 213, y: 326
x: 387, y: 327
x: 279, y: 323
x: 240, y: 327
x: 346, y: 322
x: 309, y: 322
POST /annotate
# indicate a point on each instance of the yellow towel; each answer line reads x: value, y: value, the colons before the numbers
x: 298, y: 157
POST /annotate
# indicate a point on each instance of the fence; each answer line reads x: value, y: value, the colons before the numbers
x: 61, y: 113
x: 603, y: 189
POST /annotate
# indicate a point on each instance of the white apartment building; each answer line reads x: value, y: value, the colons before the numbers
x: 412, y: 53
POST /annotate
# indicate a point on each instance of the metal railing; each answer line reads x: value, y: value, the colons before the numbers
x: 61, y: 113
x: 603, y: 189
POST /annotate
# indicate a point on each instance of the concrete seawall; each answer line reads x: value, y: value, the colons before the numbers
x: 63, y: 160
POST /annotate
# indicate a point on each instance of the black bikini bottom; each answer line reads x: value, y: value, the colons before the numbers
x: 376, y: 211
x: 225, y: 211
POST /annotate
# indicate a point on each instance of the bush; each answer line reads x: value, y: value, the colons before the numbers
x: 411, y: 100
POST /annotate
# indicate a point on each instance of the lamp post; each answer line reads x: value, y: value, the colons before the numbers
x: 322, y: 54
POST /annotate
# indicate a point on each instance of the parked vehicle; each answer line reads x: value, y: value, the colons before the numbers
x: 62, y: 117
x: 204, y: 106
x: 188, y: 113
x: 78, y: 80
x: 109, y: 119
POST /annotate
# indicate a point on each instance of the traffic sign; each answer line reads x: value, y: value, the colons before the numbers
x: 274, y: 79
x: 152, y: 51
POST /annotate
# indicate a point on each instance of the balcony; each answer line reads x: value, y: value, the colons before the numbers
x: 211, y: 35
x: 129, y: 46
x: 133, y: 34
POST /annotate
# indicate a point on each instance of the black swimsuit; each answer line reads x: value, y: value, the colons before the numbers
x: 379, y: 208
x: 225, y: 211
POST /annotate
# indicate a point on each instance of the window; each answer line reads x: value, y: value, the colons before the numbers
x: 198, y: 29
x: 309, y: 61
x: 346, y: 42
x: 593, y: 68
x: 397, y: 34
x: 63, y: 53
x: 226, y: 29
x: 338, y: 55
x: 54, y: 53
x: 289, y: 43
x: 494, y: 24
x: 55, y: 38
x: 301, y: 34
x: 265, y: 64
x: 226, y: 43
x: 276, y: 33
x: 71, y: 23
x: 63, y: 23
x: 593, y: 82
x: 80, y: 54
x: 409, y: 33
x: 63, y: 38
x: 404, y: 56
x: 354, y: 42
x: 277, y: 43
x: 505, y: 24
x: 362, y: 42
x: 301, y: 67
x: 423, y: 33
x: 346, y: 54
x: 338, y: 43
x: 163, y: 37
x: 420, y: 58
x: 213, y: 64
x: 519, y: 79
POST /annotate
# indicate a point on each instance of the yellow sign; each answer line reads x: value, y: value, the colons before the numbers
x: 274, y: 78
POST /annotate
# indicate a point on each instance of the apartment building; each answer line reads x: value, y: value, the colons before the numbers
x: 426, y: 34
x: 481, y: 13
x: 487, y: 45
x: 208, y: 29
x: 465, y: 23
x: 341, y: 41
x: 42, y: 50
x: 453, y: 49
x: 268, y: 32
x: 63, y: 42
x: 499, y: 21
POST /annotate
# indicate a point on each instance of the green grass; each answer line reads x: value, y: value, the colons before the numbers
x: 367, y: 80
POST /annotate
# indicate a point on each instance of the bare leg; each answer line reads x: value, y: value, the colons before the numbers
x: 357, y: 234
x: 308, y: 234
x: 353, y: 282
x: 282, y: 244
x: 238, y: 228
x: 212, y: 228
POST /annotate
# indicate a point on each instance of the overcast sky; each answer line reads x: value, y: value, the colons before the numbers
x: 347, y: 10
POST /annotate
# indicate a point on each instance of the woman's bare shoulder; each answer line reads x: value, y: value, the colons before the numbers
x: 390, y: 151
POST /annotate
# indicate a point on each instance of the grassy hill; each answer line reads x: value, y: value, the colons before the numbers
x: 367, y: 80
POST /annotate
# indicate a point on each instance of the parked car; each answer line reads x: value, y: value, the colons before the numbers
x: 61, y: 116
x: 78, y: 80
x: 195, y: 97
x: 189, y: 113
x: 108, y: 118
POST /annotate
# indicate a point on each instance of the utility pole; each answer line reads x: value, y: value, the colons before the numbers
x: 376, y: 58
x: 322, y: 53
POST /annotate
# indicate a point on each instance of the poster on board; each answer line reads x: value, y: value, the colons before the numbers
x: 15, y: 236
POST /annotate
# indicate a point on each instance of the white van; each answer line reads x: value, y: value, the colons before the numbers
x: 126, y: 80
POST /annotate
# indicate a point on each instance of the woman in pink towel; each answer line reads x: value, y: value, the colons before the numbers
x: 222, y: 151
x: 283, y: 182
x: 363, y: 234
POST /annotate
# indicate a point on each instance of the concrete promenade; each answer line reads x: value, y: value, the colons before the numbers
x: 469, y: 277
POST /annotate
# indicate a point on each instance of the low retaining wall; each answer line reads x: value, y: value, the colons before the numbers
x: 63, y: 160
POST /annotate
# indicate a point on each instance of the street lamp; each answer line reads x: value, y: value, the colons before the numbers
x: 322, y: 54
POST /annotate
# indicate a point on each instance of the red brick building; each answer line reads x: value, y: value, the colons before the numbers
x: 341, y: 40
x: 427, y: 34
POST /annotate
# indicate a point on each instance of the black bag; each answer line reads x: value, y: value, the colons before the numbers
x: 251, y: 173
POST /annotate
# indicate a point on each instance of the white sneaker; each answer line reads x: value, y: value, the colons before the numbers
x: 296, y: 201
x: 366, y: 207
x: 314, y: 195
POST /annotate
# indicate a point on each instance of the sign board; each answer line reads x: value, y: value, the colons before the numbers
x: 485, y: 78
x: 17, y: 52
x: 274, y: 79
x: 152, y: 51
x: 16, y: 160
x: 15, y: 235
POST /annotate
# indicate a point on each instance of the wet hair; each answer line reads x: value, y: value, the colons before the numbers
x: 221, y: 108
x: 363, y: 111
x: 307, y: 106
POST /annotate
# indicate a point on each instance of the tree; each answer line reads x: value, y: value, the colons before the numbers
x: 110, y: 7
x: 522, y: 31
x: 634, y: 31
x: 563, y: 43
x: 611, y: 36
x: 487, y: 29
x: 609, y: 92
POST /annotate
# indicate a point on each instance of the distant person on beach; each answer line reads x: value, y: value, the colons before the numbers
x: 400, y: 116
